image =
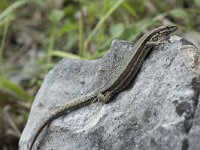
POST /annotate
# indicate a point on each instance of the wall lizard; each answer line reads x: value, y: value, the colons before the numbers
x: 118, y: 82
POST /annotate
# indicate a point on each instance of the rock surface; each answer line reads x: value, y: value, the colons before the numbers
x: 158, y: 110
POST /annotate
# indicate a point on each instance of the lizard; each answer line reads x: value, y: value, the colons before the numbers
x: 118, y: 82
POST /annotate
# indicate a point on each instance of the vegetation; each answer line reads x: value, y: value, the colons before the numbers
x: 35, y: 35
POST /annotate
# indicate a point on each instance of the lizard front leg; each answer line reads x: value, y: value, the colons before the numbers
x: 104, y: 98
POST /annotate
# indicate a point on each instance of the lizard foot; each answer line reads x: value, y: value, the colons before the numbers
x: 151, y: 43
x: 104, y: 98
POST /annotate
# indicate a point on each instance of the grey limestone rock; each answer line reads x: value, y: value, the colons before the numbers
x: 158, y: 110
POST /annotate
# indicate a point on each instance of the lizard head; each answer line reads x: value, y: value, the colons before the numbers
x: 160, y: 33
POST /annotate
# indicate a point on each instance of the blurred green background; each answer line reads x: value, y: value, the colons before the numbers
x: 36, y: 34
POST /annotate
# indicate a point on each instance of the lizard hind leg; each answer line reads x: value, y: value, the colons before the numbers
x: 104, y: 98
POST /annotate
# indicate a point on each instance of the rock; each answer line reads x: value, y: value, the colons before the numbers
x: 158, y: 110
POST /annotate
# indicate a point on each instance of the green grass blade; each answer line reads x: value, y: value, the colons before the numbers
x: 64, y: 54
x: 10, y: 86
x: 11, y: 8
x: 81, y: 49
x: 101, y: 21
x: 3, y: 43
